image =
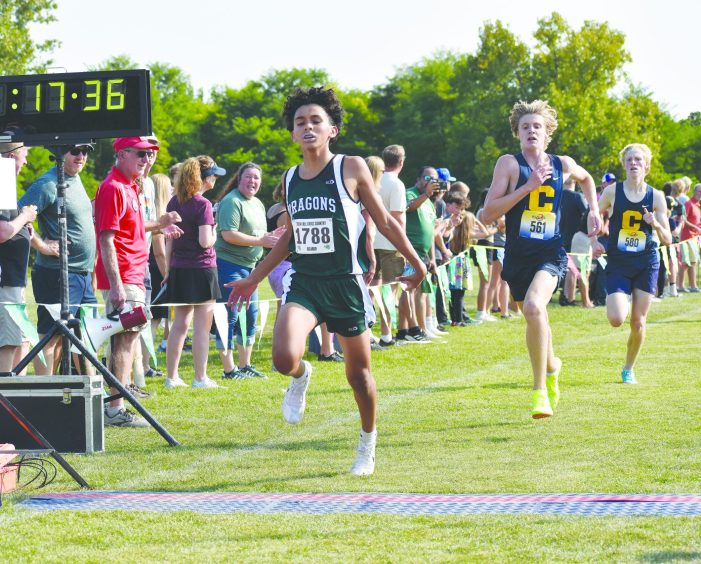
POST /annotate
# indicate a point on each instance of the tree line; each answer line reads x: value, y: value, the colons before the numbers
x: 448, y: 110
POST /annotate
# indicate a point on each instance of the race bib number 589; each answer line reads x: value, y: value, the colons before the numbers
x: 313, y: 236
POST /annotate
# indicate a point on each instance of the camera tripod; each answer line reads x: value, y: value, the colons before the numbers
x: 69, y: 329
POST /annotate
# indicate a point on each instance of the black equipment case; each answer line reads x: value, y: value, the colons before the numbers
x: 67, y: 410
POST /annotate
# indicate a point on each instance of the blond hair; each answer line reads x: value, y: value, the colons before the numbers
x: 644, y: 149
x: 687, y: 182
x: 163, y: 192
x: 277, y: 193
x: 537, y: 107
x: 173, y: 172
x: 678, y: 187
x: 377, y: 167
x: 189, y: 180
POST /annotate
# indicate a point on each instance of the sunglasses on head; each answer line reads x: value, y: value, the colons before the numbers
x: 141, y: 153
x: 78, y: 151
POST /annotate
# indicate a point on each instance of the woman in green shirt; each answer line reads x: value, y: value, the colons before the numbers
x: 241, y: 237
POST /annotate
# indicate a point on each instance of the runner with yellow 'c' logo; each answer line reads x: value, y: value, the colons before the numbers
x: 630, y: 238
x: 538, y: 220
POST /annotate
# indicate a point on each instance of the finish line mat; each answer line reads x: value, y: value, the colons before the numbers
x: 389, y: 503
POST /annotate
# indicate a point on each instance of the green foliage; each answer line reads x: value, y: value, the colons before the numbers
x: 681, y: 149
x: 488, y: 83
x: 246, y: 124
x: 416, y: 109
x: 38, y: 162
x: 177, y: 111
x: 18, y: 53
x: 449, y: 109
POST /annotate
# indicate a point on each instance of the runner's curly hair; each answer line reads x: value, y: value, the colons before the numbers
x: 324, y: 97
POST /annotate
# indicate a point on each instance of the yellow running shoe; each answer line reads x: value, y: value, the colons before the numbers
x: 552, y: 384
x: 541, y: 404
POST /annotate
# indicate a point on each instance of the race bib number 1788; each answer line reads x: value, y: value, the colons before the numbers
x: 313, y: 236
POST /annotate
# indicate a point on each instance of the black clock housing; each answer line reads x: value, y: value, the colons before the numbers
x: 58, y: 109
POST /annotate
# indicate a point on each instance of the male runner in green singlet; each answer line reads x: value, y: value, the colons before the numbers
x: 326, y: 239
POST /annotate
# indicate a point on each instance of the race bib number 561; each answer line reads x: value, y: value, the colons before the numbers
x: 313, y: 236
x: 537, y: 225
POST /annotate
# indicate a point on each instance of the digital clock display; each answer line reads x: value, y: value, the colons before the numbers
x: 58, y: 108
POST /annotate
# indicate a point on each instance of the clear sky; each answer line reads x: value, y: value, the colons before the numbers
x: 361, y: 43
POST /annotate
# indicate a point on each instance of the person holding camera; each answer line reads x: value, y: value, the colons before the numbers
x: 420, y: 230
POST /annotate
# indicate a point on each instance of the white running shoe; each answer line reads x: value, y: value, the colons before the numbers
x: 432, y: 336
x: 364, y: 464
x: 432, y: 325
x: 484, y: 316
x: 206, y: 382
x: 176, y: 382
x: 295, y: 400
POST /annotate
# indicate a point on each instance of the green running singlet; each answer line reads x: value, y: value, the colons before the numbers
x: 328, y: 230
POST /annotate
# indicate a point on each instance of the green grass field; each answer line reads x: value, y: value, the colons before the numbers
x: 453, y: 418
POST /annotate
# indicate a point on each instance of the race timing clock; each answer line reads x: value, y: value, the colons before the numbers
x: 61, y: 108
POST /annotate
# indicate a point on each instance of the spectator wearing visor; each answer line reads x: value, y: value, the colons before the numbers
x: 80, y: 234
x: 15, y: 235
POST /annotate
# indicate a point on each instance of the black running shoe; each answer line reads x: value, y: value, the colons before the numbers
x: 333, y: 357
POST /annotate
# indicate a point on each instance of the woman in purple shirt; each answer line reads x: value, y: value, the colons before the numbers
x: 192, y: 269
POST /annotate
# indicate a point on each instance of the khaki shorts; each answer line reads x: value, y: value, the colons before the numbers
x: 581, y: 245
x: 390, y: 265
x: 10, y: 334
x: 136, y: 296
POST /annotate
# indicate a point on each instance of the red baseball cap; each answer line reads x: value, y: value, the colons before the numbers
x: 135, y: 143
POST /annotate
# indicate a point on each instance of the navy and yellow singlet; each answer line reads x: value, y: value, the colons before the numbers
x: 533, y: 224
x: 631, y: 240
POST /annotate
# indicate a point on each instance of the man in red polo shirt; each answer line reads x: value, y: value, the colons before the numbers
x: 690, y: 230
x: 122, y: 255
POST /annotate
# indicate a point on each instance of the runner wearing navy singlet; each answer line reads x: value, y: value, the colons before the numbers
x: 638, y: 223
x: 527, y: 187
x: 533, y: 239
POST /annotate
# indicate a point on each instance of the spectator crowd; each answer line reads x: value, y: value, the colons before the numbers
x: 177, y: 239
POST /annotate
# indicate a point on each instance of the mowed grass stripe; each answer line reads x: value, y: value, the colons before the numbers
x: 496, y: 389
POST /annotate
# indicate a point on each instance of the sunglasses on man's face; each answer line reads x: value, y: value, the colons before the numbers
x: 141, y: 154
x: 78, y: 151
